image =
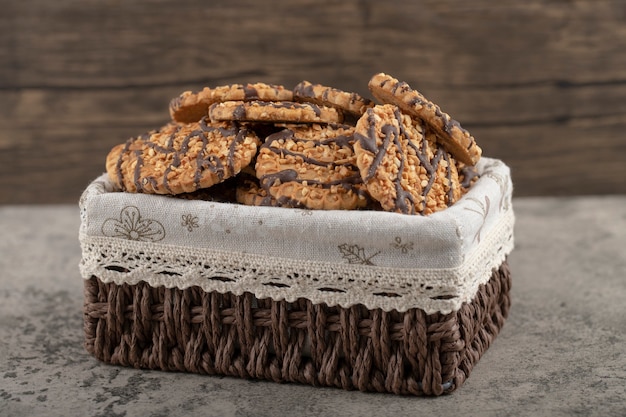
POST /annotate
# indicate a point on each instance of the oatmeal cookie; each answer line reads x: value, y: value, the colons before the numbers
x: 454, y: 138
x: 313, y: 168
x: 274, y: 112
x: 192, y: 106
x: 181, y: 158
x: 402, y: 165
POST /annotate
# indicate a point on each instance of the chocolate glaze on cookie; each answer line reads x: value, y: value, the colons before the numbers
x: 312, y: 166
x: 394, y: 137
x: 250, y: 192
x: 418, y: 100
x: 290, y: 175
x: 468, y: 173
x: 240, y: 112
x: 274, y: 112
x: 369, y: 144
x: 190, y: 107
x: 137, y: 146
x: 345, y: 101
x: 324, y: 148
x: 458, y: 141
x: 125, y: 150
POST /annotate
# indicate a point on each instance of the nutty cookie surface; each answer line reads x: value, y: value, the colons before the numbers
x: 323, y: 148
x: 250, y: 193
x: 190, y: 106
x: 402, y: 165
x: 332, y: 97
x: 275, y: 112
x: 468, y: 175
x: 181, y: 158
x: 312, y: 167
x: 455, y: 139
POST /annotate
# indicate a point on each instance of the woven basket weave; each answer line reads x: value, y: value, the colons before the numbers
x: 195, y: 331
x: 362, y: 300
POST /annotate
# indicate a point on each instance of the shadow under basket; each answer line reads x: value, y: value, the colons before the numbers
x: 192, y: 330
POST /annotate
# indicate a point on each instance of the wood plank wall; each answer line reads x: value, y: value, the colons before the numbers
x: 540, y: 83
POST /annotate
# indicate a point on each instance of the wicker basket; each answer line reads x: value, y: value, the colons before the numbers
x: 203, y: 332
x: 155, y: 323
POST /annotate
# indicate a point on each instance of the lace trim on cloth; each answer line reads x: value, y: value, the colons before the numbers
x: 432, y: 290
x: 435, y: 263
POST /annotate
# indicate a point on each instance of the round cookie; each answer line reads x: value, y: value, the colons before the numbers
x: 181, y: 158
x: 190, y: 107
x: 274, y: 112
x: 332, y: 97
x: 250, y: 193
x: 312, y: 168
x: 468, y: 175
x: 402, y: 165
x: 454, y: 138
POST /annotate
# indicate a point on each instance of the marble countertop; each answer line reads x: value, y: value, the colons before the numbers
x: 562, y: 351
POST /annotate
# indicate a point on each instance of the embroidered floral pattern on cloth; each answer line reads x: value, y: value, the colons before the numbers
x: 379, y: 259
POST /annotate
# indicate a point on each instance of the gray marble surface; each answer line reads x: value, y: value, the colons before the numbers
x: 561, y: 353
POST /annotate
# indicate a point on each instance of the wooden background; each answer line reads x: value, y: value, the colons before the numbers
x: 540, y: 83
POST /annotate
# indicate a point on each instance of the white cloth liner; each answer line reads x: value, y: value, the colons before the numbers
x: 379, y: 259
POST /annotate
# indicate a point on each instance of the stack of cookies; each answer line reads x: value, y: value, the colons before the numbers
x: 313, y: 147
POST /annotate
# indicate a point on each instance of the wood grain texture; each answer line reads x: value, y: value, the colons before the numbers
x: 541, y: 84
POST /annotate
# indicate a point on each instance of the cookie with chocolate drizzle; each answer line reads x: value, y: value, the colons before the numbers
x: 274, y: 112
x: 181, y: 158
x: 191, y: 106
x: 402, y: 165
x: 468, y: 175
x: 312, y: 167
x: 250, y: 193
x: 322, y: 95
x: 454, y: 138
